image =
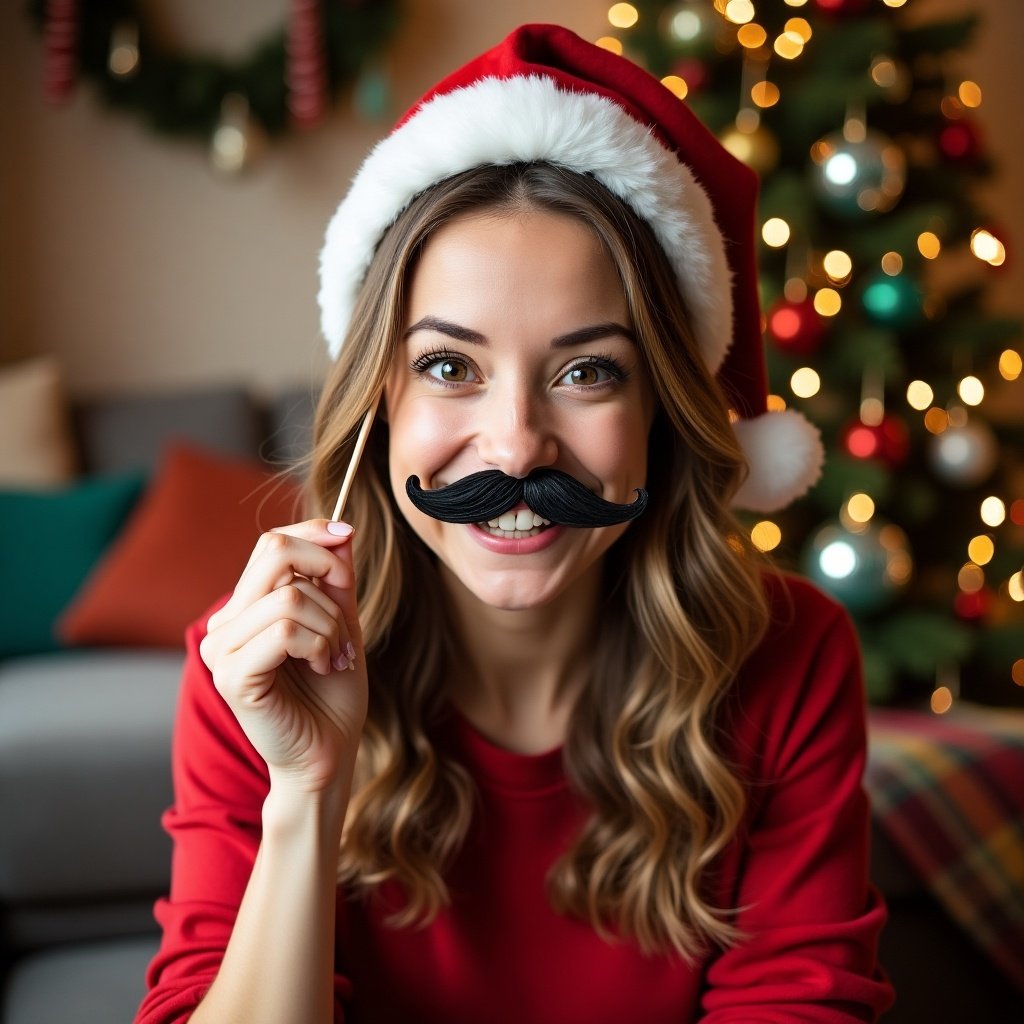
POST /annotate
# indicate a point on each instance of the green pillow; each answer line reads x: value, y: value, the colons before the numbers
x: 49, y: 540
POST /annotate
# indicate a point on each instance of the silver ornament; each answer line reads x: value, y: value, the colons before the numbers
x: 965, y: 455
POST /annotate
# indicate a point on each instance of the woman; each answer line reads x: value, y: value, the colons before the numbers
x: 578, y: 756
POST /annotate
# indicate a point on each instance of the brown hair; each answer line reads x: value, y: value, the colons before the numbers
x: 684, y: 606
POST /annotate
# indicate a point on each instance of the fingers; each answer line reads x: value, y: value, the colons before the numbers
x: 307, y: 549
x: 299, y: 602
x: 246, y: 675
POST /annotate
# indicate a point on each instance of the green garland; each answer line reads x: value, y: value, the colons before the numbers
x: 180, y: 94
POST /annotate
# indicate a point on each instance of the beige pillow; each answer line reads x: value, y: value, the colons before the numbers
x: 36, y: 446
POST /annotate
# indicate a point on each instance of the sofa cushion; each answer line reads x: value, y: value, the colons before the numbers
x: 185, y: 546
x: 95, y: 983
x: 51, y: 540
x: 85, y: 742
x: 36, y: 447
x: 131, y: 432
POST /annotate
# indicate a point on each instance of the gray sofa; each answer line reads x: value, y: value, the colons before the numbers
x: 84, y: 778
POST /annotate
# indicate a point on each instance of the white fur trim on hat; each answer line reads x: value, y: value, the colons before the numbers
x: 785, y: 456
x: 530, y: 118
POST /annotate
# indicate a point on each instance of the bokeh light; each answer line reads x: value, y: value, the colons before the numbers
x: 981, y: 549
x: 775, y: 232
x: 766, y: 535
x: 623, y: 15
x: 805, y: 382
x: 993, y: 511
x: 1010, y: 364
x: 919, y: 395
x: 929, y: 245
x: 971, y: 390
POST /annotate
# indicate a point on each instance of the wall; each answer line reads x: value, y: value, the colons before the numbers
x: 130, y: 258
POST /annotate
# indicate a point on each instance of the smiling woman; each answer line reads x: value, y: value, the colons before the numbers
x: 543, y: 739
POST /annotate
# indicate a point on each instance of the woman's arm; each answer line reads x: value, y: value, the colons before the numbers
x: 265, y: 740
x: 279, y: 963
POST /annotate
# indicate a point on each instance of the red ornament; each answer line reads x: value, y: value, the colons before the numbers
x: 960, y: 141
x: 307, y: 66
x: 972, y: 607
x: 796, y: 327
x: 60, y: 63
x: 692, y: 71
x: 841, y: 8
x: 888, y: 441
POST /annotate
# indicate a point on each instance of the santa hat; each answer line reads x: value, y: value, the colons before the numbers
x: 545, y: 94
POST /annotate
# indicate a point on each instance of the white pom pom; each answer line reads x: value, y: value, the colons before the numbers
x: 785, y: 456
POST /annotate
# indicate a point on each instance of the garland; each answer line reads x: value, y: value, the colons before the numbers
x: 286, y: 79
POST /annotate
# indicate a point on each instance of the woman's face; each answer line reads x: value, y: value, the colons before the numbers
x: 517, y: 354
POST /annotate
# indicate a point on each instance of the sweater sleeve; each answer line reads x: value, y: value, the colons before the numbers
x: 809, y: 916
x: 220, y: 784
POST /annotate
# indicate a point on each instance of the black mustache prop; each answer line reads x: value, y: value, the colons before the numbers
x: 550, y: 493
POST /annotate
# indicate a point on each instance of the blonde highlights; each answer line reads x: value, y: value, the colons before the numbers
x: 684, y: 607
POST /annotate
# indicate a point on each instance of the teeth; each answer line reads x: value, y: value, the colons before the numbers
x: 521, y: 521
x: 524, y: 523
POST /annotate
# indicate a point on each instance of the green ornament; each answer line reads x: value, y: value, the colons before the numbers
x: 865, y: 568
x: 372, y: 94
x: 894, y: 302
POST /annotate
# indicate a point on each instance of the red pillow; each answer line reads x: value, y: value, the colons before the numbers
x: 185, y: 545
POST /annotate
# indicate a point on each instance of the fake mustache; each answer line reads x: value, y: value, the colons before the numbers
x: 550, y: 493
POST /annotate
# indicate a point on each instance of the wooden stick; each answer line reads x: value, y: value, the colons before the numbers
x: 353, y: 465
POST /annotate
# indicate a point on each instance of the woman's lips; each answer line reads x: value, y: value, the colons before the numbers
x: 505, y: 544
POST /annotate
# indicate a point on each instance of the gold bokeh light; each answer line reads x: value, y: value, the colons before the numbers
x: 993, y: 511
x: 623, y: 15
x: 929, y: 245
x: 775, y: 232
x: 1009, y: 364
x: 919, y: 395
x: 766, y: 535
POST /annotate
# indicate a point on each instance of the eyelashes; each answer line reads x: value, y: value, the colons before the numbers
x: 424, y: 363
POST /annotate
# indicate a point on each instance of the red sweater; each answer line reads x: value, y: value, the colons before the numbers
x: 794, y: 723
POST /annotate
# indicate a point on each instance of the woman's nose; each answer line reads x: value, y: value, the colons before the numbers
x: 515, y: 434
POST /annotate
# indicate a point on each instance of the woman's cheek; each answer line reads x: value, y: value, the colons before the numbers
x: 427, y: 434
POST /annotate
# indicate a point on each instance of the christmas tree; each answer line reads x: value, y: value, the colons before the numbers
x: 867, y: 144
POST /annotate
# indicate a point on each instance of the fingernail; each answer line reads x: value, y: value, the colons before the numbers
x: 350, y: 651
x: 339, y: 529
x: 340, y: 663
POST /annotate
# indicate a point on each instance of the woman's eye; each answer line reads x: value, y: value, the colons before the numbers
x: 453, y: 371
x: 586, y: 374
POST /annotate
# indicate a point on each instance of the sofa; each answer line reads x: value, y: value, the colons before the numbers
x: 85, y: 736
x: 85, y: 728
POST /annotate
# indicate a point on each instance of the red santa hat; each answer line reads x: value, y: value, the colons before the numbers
x: 545, y: 94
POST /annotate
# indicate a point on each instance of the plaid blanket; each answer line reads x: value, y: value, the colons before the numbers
x: 949, y: 792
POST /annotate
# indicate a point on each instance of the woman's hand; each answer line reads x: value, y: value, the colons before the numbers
x: 286, y: 654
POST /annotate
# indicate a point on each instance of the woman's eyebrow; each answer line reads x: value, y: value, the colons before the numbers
x: 608, y: 329
x: 581, y: 336
x: 459, y: 333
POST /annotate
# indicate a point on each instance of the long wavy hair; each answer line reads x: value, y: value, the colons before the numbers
x: 684, y: 605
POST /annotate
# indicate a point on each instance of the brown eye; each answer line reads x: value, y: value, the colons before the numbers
x: 584, y: 375
x: 452, y: 371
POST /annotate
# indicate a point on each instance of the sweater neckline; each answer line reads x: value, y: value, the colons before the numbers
x: 506, y: 769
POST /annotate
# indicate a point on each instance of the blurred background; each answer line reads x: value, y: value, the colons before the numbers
x: 129, y: 256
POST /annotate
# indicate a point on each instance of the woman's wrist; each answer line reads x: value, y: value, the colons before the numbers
x: 292, y: 812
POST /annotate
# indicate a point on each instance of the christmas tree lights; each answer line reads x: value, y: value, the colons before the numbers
x: 869, y: 147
